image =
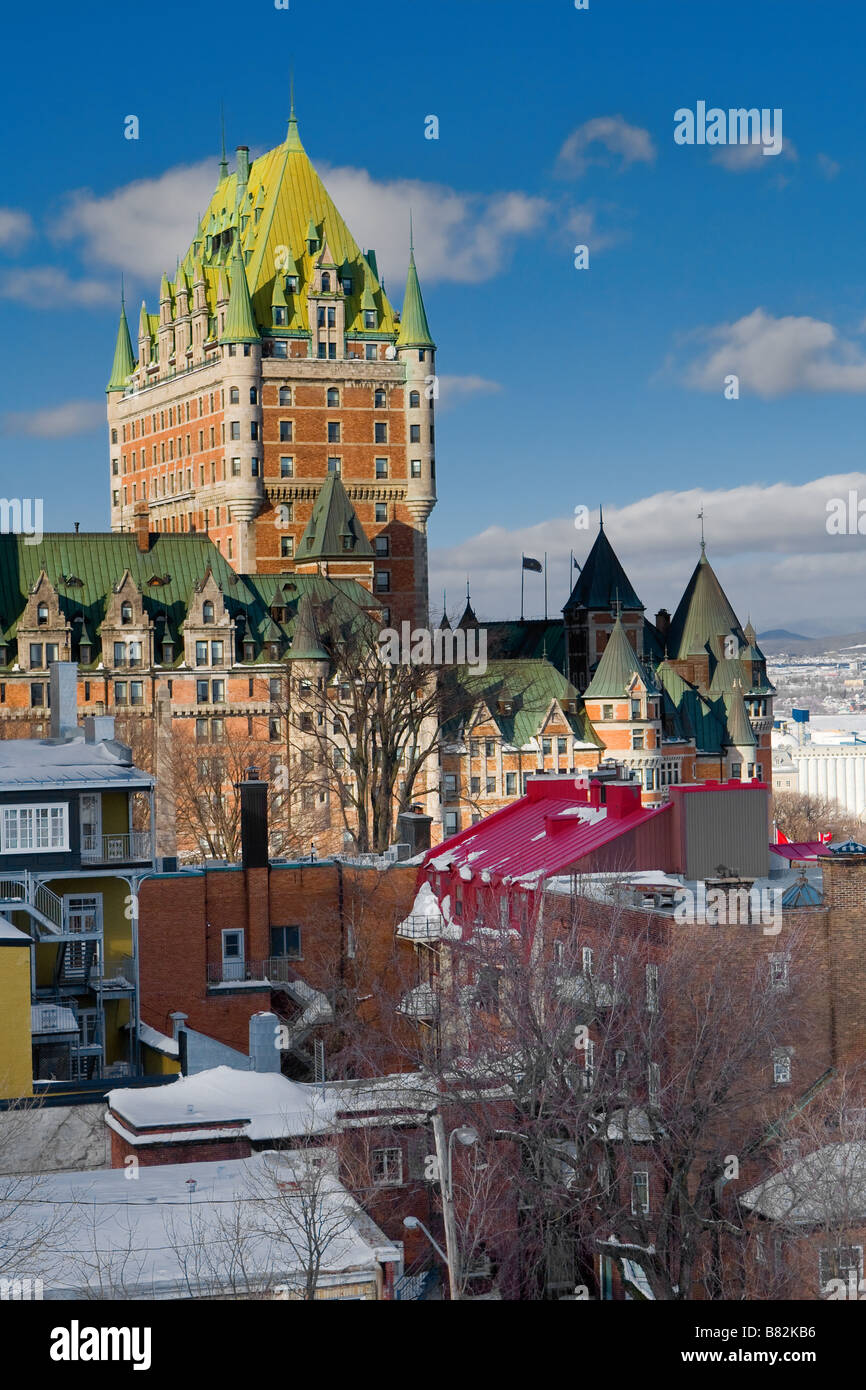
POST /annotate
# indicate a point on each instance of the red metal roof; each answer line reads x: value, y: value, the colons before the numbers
x: 545, y: 832
x: 803, y: 849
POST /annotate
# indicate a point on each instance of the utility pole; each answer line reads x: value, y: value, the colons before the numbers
x: 443, y: 1163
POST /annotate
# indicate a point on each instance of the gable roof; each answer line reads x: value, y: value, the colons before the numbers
x: 529, y: 687
x: 617, y: 667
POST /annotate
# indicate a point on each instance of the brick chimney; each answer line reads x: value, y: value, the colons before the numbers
x: 254, y: 820
x: 663, y: 623
x: 141, y: 523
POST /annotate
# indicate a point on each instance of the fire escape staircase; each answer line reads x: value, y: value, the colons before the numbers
x: 27, y: 894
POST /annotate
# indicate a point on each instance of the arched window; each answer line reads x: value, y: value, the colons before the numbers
x: 285, y: 395
x: 207, y: 612
x: 414, y: 400
x: 234, y: 396
x: 333, y: 396
x: 254, y: 396
x: 126, y: 612
x: 380, y: 400
x: 326, y: 282
x: 42, y: 614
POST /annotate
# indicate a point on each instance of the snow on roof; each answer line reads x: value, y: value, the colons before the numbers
x: 826, y: 1187
x: 164, y: 1236
x: 266, y: 1105
x: 151, y: 1037
x: 31, y: 762
x: 426, y: 919
x: 10, y: 933
x: 52, y: 1018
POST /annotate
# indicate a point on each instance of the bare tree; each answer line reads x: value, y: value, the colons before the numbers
x: 801, y: 816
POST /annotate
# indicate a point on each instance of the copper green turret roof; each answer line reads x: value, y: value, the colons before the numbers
x: 740, y: 733
x: 414, y: 328
x: 617, y: 668
x: 240, y: 325
x: 703, y: 615
x: 603, y: 581
x: 306, y: 640
x: 333, y: 524
x: 124, y: 362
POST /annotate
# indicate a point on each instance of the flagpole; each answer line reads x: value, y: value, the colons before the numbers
x: 545, y: 586
x: 521, y: 586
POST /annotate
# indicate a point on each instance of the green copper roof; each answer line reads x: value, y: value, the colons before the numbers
x: 697, y: 716
x: 414, y: 328
x: 333, y: 531
x: 617, y: 668
x: 306, y: 640
x: 240, y: 325
x: 603, y: 580
x: 538, y: 638
x: 703, y: 614
x: 740, y: 733
x: 529, y: 687
x: 124, y: 362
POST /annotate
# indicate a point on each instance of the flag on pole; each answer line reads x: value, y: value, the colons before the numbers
x: 534, y: 565
x: 781, y: 837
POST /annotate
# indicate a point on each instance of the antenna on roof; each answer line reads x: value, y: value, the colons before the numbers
x: 701, y: 520
x: 224, y: 167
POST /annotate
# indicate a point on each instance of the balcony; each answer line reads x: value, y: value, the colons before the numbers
x: 277, y: 970
x: 134, y: 848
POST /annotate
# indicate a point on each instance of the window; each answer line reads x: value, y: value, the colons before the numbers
x: 35, y: 655
x: 202, y: 692
x: 381, y: 468
x: 201, y: 653
x: 380, y: 432
x: 414, y: 400
x: 218, y: 692
x: 371, y: 354
x: 637, y: 738
x: 653, y: 1083
x: 491, y: 786
x: 280, y: 349
x: 216, y: 653
x: 34, y: 828
x: 285, y: 395
x: 383, y: 545
x: 451, y: 822
x: 414, y: 434
x: 450, y: 786
x: 201, y: 730
x: 286, y: 943
x: 383, y: 582
x: 640, y: 1193
x: 843, y: 1262
x: 126, y: 613
x: 607, y: 711
x: 254, y: 467
x: 588, y: 1064
x: 333, y: 431
x: 779, y: 972
x: 233, y: 967
x: 562, y: 747
x: 136, y: 692
x: 545, y: 747
x: 487, y: 992
x: 388, y: 1167
x: 736, y: 771
x: 235, y: 429
x: 782, y: 1068
x: 42, y: 614
x: 287, y: 467
x: 415, y: 468
x: 234, y: 396
x: 475, y: 786
x: 286, y: 431
x: 652, y: 988
x: 287, y: 547
x: 333, y: 397
x: 511, y: 784
x: 586, y: 960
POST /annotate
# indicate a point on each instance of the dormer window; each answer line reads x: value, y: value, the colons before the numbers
x: 292, y: 284
x: 207, y: 612
x: 370, y: 318
x: 42, y: 614
x: 126, y: 613
x: 348, y: 542
x: 347, y: 284
x: 249, y: 649
x: 280, y: 317
x: 326, y: 282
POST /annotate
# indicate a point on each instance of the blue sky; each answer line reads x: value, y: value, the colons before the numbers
x: 560, y: 387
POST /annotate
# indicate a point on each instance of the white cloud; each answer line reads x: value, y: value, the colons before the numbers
x: 459, y: 237
x: 55, y: 422
x: 47, y: 287
x: 829, y: 167
x: 141, y: 227
x: 776, y: 356
x: 453, y: 389
x: 769, y: 546
x: 608, y: 138
x: 15, y: 227
x: 743, y: 159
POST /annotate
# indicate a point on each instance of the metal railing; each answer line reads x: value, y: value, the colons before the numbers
x: 276, y: 969
x: 37, y: 895
x: 117, y: 849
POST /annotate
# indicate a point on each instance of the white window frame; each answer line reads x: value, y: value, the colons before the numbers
x: 240, y: 960
x: 640, y: 1179
x: 782, y: 1069
x: 392, y: 1155
x: 652, y: 989
x: 51, y: 809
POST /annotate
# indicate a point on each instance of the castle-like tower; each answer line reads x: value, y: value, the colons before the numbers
x: 275, y: 362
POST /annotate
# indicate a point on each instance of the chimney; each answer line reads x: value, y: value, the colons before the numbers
x: 63, y: 678
x: 663, y: 623
x: 178, y: 1019
x: 413, y: 829
x: 243, y: 160
x: 141, y: 525
x: 98, y: 728
x: 254, y: 820
x: 264, y: 1039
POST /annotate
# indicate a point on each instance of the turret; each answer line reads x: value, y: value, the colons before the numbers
x: 124, y: 363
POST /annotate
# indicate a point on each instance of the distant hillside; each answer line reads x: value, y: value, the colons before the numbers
x: 781, y: 634
x: 771, y: 643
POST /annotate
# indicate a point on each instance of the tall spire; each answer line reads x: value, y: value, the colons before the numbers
x: 240, y: 324
x: 293, y: 139
x: 124, y: 361
x: 414, y: 328
x: 224, y: 165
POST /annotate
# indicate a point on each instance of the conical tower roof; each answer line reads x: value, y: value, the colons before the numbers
x: 333, y: 523
x: 414, y: 328
x: 703, y: 614
x: 240, y: 326
x: 306, y: 639
x: 740, y: 733
x: 617, y: 668
x: 603, y: 581
x: 124, y: 362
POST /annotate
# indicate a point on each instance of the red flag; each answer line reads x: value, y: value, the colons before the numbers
x: 825, y: 838
x: 781, y: 837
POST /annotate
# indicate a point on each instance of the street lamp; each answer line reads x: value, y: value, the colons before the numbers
x: 465, y: 1135
x: 413, y: 1223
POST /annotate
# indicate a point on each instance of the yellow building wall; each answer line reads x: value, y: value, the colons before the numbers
x: 115, y: 813
x: 16, y: 1057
